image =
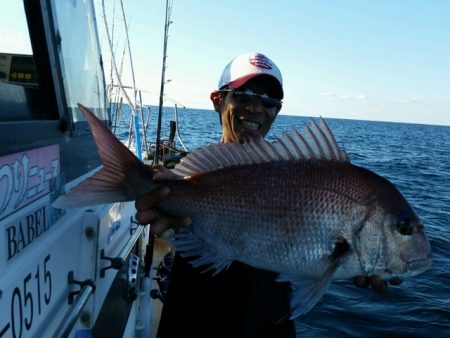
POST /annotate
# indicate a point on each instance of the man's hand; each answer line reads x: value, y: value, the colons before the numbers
x: 378, y: 284
x: 146, y: 205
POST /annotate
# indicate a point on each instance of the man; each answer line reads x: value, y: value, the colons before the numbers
x: 240, y: 301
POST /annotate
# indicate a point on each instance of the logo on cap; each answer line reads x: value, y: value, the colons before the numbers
x: 260, y: 61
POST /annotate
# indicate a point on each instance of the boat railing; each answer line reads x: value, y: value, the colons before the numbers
x: 82, y: 296
x: 118, y: 261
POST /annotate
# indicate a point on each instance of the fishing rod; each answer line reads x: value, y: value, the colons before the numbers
x: 163, y: 80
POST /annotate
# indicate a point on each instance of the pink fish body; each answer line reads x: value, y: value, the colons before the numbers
x: 296, y: 206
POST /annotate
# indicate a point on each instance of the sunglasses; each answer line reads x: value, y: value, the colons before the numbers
x: 245, y: 96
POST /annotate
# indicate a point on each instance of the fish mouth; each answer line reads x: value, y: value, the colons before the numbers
x: 249, y: 124
x: 418, y: 265
x: 408, y: 268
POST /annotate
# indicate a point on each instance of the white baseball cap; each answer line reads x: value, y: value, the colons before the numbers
x: 248, y: 65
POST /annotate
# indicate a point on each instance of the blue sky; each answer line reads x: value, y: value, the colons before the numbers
x: 374, y: 60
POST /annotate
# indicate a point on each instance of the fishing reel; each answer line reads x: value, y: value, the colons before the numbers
x: 163, y: 272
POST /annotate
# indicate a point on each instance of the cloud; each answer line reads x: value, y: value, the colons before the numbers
x: 344, y: 97
x: 413, y: 100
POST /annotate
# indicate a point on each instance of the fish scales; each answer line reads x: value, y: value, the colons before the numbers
x: 277, y: 216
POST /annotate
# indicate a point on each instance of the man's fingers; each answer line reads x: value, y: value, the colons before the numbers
x: 147, y: 212
x: 160, y: 221
x: 361, y: 281
x: 163, y: 223
x: 182, y: 221
x: 377, y: 284
x: 159, y: 226
x: 145, y: 216
x: 151, y: 199
x: 161, y: 173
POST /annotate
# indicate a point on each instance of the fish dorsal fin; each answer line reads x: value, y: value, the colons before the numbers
x: 315, y: 142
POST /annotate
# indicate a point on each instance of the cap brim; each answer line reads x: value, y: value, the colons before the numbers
x: 244, y: 79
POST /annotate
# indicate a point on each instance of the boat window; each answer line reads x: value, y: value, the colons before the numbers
x: 49, y: 62
x: 27, y: 75
x: 82, y: 71
x: 20, y: 93
x: 14, y: 37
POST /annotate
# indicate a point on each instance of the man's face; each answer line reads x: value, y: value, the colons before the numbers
x: 244, y: 115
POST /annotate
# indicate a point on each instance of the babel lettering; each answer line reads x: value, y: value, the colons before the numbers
x: 25, y: 230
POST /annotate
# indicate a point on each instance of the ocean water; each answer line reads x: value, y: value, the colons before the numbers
x: 416, y: 158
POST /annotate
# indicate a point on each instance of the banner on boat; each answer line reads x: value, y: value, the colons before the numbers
x: 27, y: 176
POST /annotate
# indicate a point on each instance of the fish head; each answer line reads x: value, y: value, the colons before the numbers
x: 391, y: 241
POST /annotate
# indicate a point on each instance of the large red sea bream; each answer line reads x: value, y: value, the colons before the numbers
x: 296, y: 206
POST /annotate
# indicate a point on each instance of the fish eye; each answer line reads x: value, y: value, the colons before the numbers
x: 404, y: 227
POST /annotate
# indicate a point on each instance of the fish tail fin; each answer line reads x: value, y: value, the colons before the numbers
x: 123, y: 176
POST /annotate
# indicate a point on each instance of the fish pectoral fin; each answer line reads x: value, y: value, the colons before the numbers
x: 199, y: 254
x: 306, y: 292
